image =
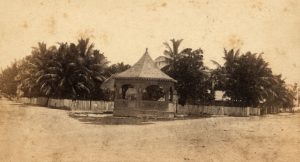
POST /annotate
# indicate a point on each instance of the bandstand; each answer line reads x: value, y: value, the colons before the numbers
x: 144, y: 90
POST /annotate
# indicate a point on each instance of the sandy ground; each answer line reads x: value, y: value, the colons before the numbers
x: 29, y: 133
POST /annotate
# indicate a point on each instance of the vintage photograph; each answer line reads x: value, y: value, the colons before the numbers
x: 149, y: 81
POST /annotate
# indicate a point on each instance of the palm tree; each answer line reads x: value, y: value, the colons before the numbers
x: 279, y: 96
x: 76, y: 71
x: 52, y: 79
x: 69, y: 71
x: 25, y: 78
x: 91, y: 65
x: 222, y: 76
x: 245, y: 78
x: 32, y: 67
x: 171, y: 55
x: 45, y: 80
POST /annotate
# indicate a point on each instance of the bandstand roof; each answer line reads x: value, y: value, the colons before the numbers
x: 145, y: 69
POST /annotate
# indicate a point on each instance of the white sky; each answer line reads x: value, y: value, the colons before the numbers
x: 123, y: 29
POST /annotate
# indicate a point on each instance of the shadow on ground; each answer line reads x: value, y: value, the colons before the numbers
x: 108, y: 119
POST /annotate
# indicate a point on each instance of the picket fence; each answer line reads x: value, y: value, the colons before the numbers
x: 105, y: 106
x: 74, y: 105
x: 217, y: 110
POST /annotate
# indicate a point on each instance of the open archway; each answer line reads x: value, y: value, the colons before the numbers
x: 128, y: 92
x: 153, y: 93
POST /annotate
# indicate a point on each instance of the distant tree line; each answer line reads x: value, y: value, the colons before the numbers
x: 77, y: 70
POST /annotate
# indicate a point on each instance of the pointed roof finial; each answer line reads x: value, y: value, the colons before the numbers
x: 144, y: 68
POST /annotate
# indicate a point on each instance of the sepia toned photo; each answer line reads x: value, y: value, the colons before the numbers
x: 149, y: 81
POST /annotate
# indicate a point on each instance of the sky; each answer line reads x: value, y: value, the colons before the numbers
x: 123, y: 29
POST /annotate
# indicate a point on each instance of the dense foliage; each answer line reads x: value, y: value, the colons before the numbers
x: 7, y: 80
x: 74, y: 71
x: 248, y: 81
x: 116, y: 68
x: 187, y: 68
x: 77, y: 70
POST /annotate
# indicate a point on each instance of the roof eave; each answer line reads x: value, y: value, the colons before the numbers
x: 145, y: 78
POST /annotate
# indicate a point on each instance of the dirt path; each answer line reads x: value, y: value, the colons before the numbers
x: 29, y: 133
